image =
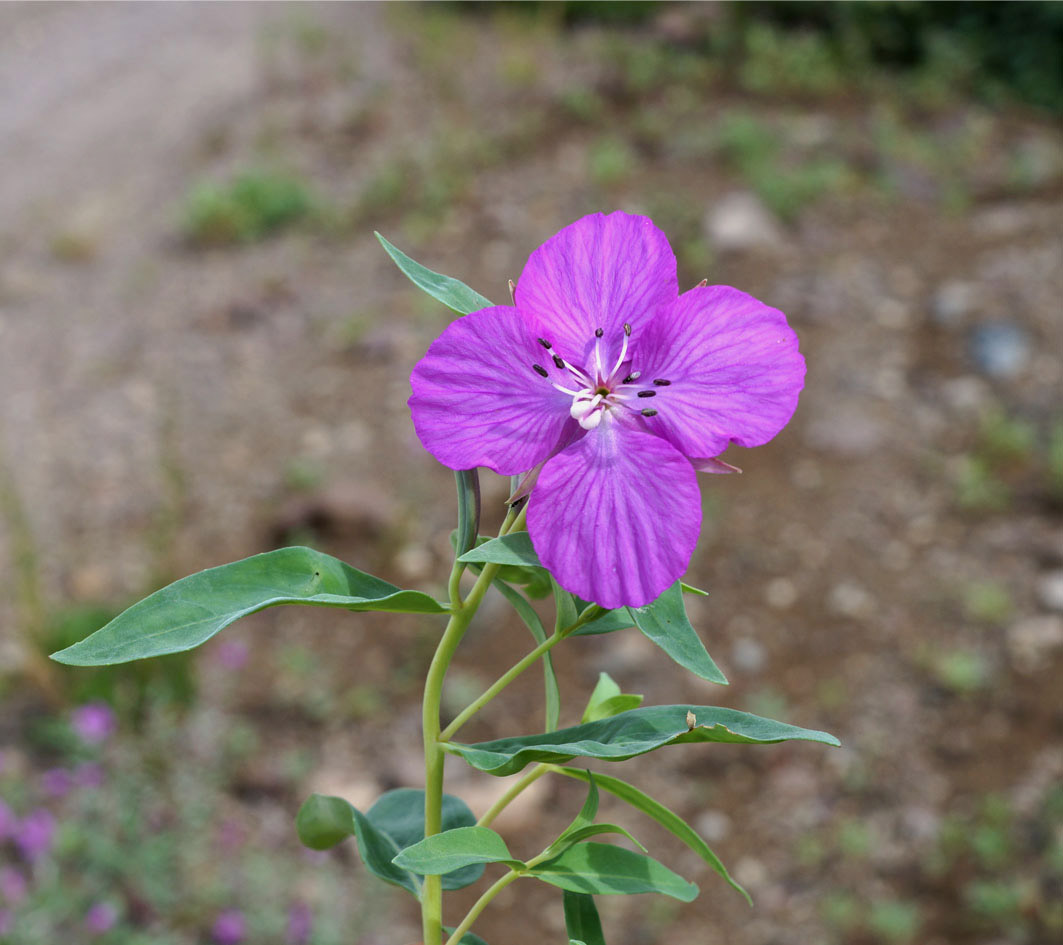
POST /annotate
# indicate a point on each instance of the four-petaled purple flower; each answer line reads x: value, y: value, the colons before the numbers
x: 610, y: 389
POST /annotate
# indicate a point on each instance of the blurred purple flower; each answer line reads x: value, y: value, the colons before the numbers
x: 101, y: 917
x: 8, y: 822
x: 232, y: 654
x: 88, y: 775
x: 229, y: 928
x: 7, y: 921
x: 12, y: 885
x: 94, y: 722
x: 35, y: 833
x: 57, y: 782
x: 300, y: 924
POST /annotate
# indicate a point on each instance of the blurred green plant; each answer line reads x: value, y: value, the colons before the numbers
x: 253, y: 205
x: 894, y: 920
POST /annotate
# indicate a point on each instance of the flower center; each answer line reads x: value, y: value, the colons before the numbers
x: 598, y: 392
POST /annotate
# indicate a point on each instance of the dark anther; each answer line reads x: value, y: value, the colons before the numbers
x: 539, y: 369
x: 633, y: 376
x: 661, y: 382
x: 544, y: 343
x: 627, y: 329
x: 558, y: 361
x: 598, y: 332
x: 647, y: 393
x: 648, y: 412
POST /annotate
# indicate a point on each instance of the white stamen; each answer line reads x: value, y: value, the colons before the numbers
x: 623, y: 354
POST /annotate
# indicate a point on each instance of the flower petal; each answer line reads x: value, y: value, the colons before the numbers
x: 479, y: 397
x: 615, y: 516
x: 724, y: 368
x: 598, y: 272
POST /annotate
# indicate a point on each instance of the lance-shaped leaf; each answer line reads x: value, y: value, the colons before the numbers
x: 581, y: 919
x: 664, y: 621
x: 666, y: 817
x: 454, y: 849
x: 629, y: 734
x: 603, y: 869
x: 611, y: 620
x: 452, y: 293
x: 468, y: 483
x: 607, y: 700
x: 393, y: 823
x: 190, y: 611
x: 534, y: 580
x: 515, y: 548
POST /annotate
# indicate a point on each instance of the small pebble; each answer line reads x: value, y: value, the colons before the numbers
x: 1050, y: 591
x: 1000, y: 349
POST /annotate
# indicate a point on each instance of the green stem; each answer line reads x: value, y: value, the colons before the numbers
x: 480, y: 905
x: 494, y: 890
x: 515, y: 791
x: 498, y: 685
x: 461, y: 617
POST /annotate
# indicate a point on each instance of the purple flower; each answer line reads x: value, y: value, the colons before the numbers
x: 94, y: 722
x: 34, y: 834
x: 101, y: 917
x: 57, y: 782
x: 611, y: 389
x: 12, y: 885
x: 300, y: 924
x: 229, y: 928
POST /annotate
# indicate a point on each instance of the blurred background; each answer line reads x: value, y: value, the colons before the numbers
x: 205, y: 354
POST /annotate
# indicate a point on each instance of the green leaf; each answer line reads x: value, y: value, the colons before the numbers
x: 619, y: 619
x: 193, y: 609
x: 323, y: 822
x: 535, y: 581
x: 581, y: 919
x: 531, y: 619
x: 454, y: 849
x: 468, y: 482
x: 629, y: 734
x: 664, y: 621
x: 452, y: 293
x: 615, y: 705
x: 666, y: 817
x: 393, y: 823
x: 570, y: 836
x: 603, y: 869
x: 589, y: 809
x: 515, y: 548
x: 607, y: 700
x: 693, y: 591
